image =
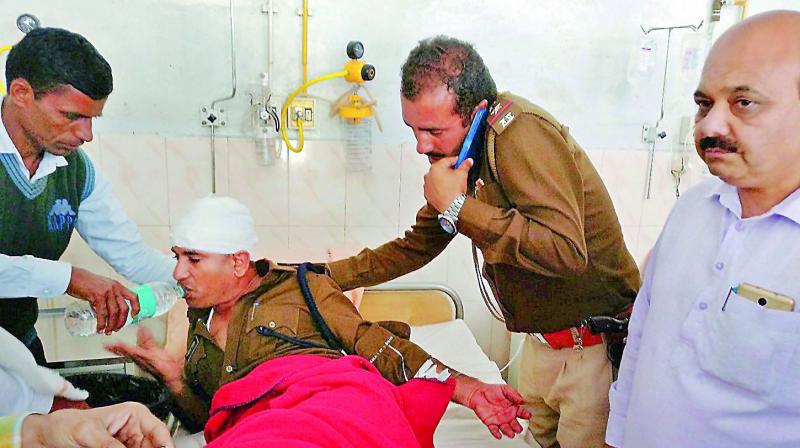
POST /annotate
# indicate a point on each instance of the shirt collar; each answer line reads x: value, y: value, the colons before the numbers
x: 728, y: 196
x: 48, y: 164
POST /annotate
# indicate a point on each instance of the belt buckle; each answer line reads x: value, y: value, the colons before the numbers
x: 577, y: 336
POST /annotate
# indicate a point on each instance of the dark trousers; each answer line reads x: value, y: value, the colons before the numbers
x: 37, y: 349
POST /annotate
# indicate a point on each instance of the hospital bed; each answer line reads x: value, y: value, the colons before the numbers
x: 436, y: 316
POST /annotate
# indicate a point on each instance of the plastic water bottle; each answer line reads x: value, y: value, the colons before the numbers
x: 155, y: 299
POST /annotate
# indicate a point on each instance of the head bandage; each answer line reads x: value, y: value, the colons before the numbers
x: 215, y: 224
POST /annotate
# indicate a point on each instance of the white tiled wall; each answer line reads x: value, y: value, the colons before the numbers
x: 308, y: 207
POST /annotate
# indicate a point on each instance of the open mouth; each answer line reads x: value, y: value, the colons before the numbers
x: 187, y: 292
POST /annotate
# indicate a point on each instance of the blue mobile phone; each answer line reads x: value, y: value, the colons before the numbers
x: 473, y: 139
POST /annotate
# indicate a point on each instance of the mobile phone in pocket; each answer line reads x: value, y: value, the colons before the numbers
x: 765, y: 298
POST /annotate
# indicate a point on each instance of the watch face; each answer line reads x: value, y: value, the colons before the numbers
x: 447, y: 225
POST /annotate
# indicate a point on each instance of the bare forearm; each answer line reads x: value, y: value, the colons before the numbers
x: 465, y: 388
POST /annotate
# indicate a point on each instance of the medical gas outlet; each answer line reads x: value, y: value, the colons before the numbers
x: 299, y: 112
x: 303, y: 109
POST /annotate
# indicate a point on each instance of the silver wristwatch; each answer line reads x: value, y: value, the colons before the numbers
x: 449, y: 217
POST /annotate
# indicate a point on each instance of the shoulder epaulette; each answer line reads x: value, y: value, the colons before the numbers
x: 505, y: 110
x: 502, y: 114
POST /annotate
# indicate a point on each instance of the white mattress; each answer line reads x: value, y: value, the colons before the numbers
x: 452, y: 343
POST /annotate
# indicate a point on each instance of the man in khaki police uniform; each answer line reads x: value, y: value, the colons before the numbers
x: 538, y: 211
x: 244, y: 313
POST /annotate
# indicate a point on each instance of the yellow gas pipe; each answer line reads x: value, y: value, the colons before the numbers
x: 299, y: 120
x: 743, y: 4
x: 354, y: 71
x: 2, y: 85
x: 305, y: 41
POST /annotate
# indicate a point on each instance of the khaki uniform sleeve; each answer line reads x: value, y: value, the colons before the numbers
x: 543, y: 230
x: 193, y: 409
x: 418, y: 247
x: 364, y: 338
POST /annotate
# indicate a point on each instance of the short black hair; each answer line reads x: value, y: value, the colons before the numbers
x: 444, y: 60
x: 50, y: 58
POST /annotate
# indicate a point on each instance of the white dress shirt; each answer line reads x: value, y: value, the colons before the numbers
x: 694, y: 375
x: 104, y: 226
x: 18, y: 397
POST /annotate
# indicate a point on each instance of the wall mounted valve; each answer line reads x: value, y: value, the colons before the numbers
x: 212, y: 117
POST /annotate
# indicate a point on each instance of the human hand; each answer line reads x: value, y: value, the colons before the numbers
x: 497, y: 405
x: 443, y: 184
x: 108, y: 298
x: 122, y: 425
x: 151, y: 357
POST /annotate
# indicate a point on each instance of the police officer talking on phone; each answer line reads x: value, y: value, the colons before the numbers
x: 530, y: 200
x: 712, y: 358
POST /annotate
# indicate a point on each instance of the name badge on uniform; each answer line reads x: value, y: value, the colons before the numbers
x: 192, y: 348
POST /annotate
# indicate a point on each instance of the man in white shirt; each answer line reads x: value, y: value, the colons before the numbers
x: 57, y: 84
x: 18, y: 396
x: 125, y: 424
x: 704, y: 365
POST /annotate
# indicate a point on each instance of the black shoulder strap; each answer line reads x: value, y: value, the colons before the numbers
x: 323, y: 328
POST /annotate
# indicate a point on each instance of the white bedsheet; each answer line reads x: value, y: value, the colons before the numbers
x: 452, y: 343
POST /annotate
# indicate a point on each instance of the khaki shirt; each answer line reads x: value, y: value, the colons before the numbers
x: 551, y: 241
x: 278, y: 304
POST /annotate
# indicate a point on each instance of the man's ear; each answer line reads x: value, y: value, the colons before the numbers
x: 482, y: 105
x: 21, y: 92
x: 241, y: 262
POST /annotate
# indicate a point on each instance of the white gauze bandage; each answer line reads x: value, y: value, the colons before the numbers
x: 216, y: 224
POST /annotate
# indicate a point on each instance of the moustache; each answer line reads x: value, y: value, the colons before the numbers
x: 717, y: 142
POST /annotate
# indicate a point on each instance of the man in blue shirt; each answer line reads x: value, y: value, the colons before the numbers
x: 707, y: 365
x: 57, y: 84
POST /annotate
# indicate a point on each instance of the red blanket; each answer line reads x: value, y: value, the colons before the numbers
x: 312, y: 401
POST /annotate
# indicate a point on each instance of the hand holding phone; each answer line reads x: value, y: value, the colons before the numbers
x: 473, y: 139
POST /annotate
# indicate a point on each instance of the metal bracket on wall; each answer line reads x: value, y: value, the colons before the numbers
x: 212, y: 117
x: 650, y: 133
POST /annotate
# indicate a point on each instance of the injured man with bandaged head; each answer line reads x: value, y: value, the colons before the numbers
x: 277, y: 355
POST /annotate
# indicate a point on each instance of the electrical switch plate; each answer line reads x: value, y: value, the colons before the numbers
x: 305, y: 109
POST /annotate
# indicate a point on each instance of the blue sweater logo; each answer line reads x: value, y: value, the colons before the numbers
x: 61, y: 217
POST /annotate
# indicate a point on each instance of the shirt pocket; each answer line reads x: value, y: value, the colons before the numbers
x: 195, y: 355
x: 279, y: 319
x: 746, y: 346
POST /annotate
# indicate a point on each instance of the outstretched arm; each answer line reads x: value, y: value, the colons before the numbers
x: 497, y: 405
x: 120, y: 425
